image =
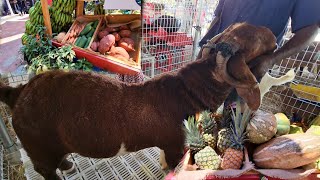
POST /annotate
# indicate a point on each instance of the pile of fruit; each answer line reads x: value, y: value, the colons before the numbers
x: 98, y: 9
x: 35, y: 19
x: 114, y: 41
x: 278, y: 143
x: 208, y: 142
x: 81, y: 34
x: 61, y: 14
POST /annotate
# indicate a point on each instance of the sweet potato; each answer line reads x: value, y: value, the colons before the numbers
x: 124, y: 27
x: 117, y: 36
x: 106, y: 43
x: 119, y: 52
x: 94, y: 46
x: 111, y: 29
x: 125, y: 33
x: 102, y: 34
x: 127, y: 44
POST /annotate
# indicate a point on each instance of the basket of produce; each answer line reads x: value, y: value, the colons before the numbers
x: 118, y: 39
x: 82, y: 31
x: 109, y: 42
x: 248, y: 146
x: 306, y: 92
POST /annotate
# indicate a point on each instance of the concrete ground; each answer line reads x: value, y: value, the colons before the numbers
x: 11, y: 30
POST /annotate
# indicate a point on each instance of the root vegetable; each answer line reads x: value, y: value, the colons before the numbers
x: 111, y: 29
x: 125, y: 33
x: 127, y: 44
x: 106, y: 43
x: 119, y: 52
x: 117, y: 36
x: 71, y: 40
x: 102, y: 34
x: 94, y: 46
x: 124, y: 27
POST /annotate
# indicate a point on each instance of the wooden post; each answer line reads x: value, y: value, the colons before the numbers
x: 79, y: 9
x: 46, y: 16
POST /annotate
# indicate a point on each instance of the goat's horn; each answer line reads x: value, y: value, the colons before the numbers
x: 222, y: 68
x: 206, y: 51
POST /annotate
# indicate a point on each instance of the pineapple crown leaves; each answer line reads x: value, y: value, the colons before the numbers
x: 193, y: 136
x: 240, y: 122
x: 205, y: 119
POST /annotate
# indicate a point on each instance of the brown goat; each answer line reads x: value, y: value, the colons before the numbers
x: 58, y: 113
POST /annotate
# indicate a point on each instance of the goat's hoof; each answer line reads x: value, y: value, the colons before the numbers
x: 164, y: 166
x: 71, y: 170
x: 163, y: 161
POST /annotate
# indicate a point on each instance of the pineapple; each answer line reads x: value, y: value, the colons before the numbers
x: 224, y: 135
x: 233, y: 156
x: 209, y: 128
x: 224, y: 141
x: 207, y: 158
x: 194, y: 140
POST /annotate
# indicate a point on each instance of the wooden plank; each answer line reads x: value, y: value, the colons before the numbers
x: 46, y: 16
x: 79, y: 9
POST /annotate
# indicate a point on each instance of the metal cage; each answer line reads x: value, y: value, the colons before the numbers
x: 300, y: 99
x: 170, y: 30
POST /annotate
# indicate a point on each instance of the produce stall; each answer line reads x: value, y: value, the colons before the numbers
x: 120, y: 54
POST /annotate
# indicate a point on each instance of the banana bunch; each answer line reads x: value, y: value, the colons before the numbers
x: 61, y: 15
x: 31, y: 29
x: 98, y: 10
x: 36, y: 18
x: 24, y: 38
x: 64, y: 6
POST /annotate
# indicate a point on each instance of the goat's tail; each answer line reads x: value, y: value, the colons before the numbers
x: 9, y: 95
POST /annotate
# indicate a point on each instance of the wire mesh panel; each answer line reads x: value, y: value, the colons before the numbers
x: 1, y: 162
x: 301, y: 99
x: 170, y: 29
x: 143, y: 164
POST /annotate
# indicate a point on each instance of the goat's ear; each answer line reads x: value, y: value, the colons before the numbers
x: 249, y: 90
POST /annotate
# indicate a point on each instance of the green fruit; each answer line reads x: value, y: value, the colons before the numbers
x: 95, y: 24
x: 283, y: 124
x: 314, y: 130
x: 87, y: 43
x: 294, y: 129
x: 316, y: 121
x: 86, y: 30
x: 82, y: 41
x: 90, y: 33
x: 77, y: 41
x: 90, y: 23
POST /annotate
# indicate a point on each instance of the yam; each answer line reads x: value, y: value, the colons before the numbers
x: 124, y: 27
x: 117, y: 36
x: 127, y: 44
x: 125, y: 33
x: 112, y: 29
x: 288, y: 151
x: 106, y: 43
x: 102, y: 34
x: 119, y: 52
x: 94, y: 46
